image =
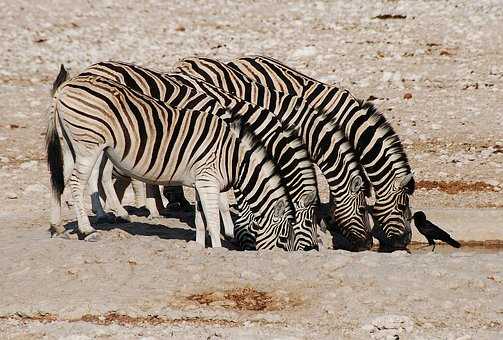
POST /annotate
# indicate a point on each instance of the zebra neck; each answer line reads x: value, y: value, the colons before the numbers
x: 376, y: 143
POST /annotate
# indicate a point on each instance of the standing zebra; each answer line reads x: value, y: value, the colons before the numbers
x: 148, y: 140
x: 377, y: 145
x: 285, y: 148
x: 326, y: 146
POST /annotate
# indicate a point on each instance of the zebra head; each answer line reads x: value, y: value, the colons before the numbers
x: 349, y: 213
x: 306, y: 237
x: 392, y: 213
x: 283, y: 223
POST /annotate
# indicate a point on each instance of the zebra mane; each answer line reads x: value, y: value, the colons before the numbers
x: 245, y: 135
x: 354, y: 156
x: 295, y: 142
x: 393, y: 145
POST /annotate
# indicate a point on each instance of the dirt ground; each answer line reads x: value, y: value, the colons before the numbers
x: 434, y: 68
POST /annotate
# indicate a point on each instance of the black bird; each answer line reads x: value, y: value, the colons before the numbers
x: 431, y: 231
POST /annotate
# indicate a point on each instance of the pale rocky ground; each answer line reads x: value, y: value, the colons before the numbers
x: 141, y: 281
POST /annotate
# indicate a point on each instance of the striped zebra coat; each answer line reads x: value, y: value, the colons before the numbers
x: 377, y: 145
x: 327, y: 147
x: 284, y: 147
x: 152, y: 142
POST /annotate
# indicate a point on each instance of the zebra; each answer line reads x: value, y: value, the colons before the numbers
x: 151, y: 141
x: 327, y: 147
x: 376, y: 143
x: 284, y: 146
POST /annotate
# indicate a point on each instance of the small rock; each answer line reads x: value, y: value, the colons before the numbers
x: 397, y: 322
x: 193, y: 245
x: 11, y: 195
x: 407, y: 96
x: 180, y: 28
x: 464, y: 337
x: 308, y: 51
x: 387, y: 76
x: 28, y: 165
x: 368, y: 328
x: 493, y: 182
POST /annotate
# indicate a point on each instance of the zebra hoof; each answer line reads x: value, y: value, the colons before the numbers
x: 69, y: 235
x: 93, y: 237
x: 56, y: 230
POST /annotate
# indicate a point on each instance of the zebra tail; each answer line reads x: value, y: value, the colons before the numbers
x: 53, y: 144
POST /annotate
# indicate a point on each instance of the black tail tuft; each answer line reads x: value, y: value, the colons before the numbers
x: 53, y: 144
x: 60, y: 79
x: 55, y: 161
x: 453, y: 242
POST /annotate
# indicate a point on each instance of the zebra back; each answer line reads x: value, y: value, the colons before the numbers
x: 377, y: 145
x: 295, y: 113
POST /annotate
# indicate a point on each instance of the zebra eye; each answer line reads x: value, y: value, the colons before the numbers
x: 356, y: 184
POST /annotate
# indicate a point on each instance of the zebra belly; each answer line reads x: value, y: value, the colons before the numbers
x: 179, y: 176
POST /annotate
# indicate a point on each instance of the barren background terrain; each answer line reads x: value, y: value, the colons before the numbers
x: 435, y: 68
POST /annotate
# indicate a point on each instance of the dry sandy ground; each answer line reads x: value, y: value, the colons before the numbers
x: 147, y: 280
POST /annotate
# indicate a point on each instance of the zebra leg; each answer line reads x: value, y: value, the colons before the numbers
x: 112, y: 201
x: 84, y: 163
x: 120, y: 186
x: 140, y: 193
x: 94, y: 179
x: 209, y: 193
x: 223, y: 206
x: 199, y: 222
x: 154, y: 200
x: 176, y: 198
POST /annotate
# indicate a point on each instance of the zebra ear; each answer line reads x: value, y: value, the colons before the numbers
x: 356, y: 183
x: 279, y: 209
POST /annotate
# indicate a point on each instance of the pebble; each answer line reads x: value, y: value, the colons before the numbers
x: 493, y: 182
x: 11, y: 195
x: 390, y: 322
x: 28, y: 165
x: 193, y: 245
x: 308, y: 51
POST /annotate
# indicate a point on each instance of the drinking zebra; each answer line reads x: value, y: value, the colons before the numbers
x: 285, y: 148
x: 377, y: 145
x: 327, y: 147
x: 151, y: 141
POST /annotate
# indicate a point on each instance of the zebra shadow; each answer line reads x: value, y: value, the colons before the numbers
x: 151, y: 228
